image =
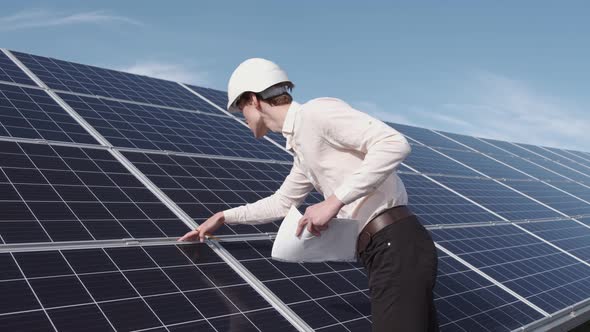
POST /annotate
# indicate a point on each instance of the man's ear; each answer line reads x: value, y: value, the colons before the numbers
x: 254, y: 100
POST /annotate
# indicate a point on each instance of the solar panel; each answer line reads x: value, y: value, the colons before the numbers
x: 131, y: 288
x: 552, y: 197
x: 569, y: 235
x: 326, y: 296
x: 505, y: 202
x: 32, y: 113
x: 575, y: 156
x: 435, y: 205
x: 9, y: 72
x: 485, y: 165
x: 475, y: 143
x: 426, y: 137
x: 333, y: 297
x: 529, y: 167
x: 204, y: 161
x: 58, y: 193
x: 203, y: 186
x: 425, y: 160
x: 217, y: 97
x: 146, y: 127
x: 574, y: 188
x: 545, y: 276
x: 559, y: 158
x: 466, y: 301
x: 78, y: 78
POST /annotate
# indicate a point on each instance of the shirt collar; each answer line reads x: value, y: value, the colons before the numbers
x: 289, y: 124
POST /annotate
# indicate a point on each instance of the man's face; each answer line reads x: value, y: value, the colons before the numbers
x: 253, y: 115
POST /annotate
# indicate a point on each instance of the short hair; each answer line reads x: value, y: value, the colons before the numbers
x: 282, y: 99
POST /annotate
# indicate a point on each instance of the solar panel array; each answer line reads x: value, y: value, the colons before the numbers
x: 100, y: 172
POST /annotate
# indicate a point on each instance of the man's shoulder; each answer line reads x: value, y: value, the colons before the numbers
x: 325, y: 102
x: 318, y: 106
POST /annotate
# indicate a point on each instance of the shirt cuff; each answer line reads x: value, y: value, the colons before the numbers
x: 230, y: 216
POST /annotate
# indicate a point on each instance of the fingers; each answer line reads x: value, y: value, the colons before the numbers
x: 313, y: 229
x: 189, y: 236
x: 300, y: 226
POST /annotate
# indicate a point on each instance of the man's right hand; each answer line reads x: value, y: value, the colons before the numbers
x: 206, y: 228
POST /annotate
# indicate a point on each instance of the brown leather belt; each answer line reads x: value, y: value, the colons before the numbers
x: 386, y: 218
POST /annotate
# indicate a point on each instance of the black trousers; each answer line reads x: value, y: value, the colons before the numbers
x: 401, y: 261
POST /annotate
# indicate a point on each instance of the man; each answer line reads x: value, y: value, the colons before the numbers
x: 350, y: 158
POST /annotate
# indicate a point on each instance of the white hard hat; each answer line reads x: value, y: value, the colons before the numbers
x: 255, y: 75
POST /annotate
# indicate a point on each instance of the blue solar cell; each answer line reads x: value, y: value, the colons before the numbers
x: 217, y: 97
x: 572, y: 236
x: 484, y: 164
x: 466, y: 301
x: 426, y: 136
x: 475, y: 143
x: 78, y: 78
x: 427, y: 161
x: 146, y: 127
x: 579, y: 156
x: 203, y: 186
x: 505, y: 202
x: 9, y: 72
x: 32, y: 113
x: 149, y: 294
x: 529, y: 167
x: 435, y: 205
x: 552, y: 197
x: 528, y: 266
x: 329, y: 298
x: 333, y: 296
x: 574, y: 188
x: 58, y: 193
x: 559, y: 158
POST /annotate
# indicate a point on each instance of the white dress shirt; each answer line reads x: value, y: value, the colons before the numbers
x: 338, y: 150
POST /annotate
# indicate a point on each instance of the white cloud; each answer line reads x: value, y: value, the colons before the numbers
x: 41, y: 18
x: 168, y: 71
x: 495, y: 106
x: 379, y: 113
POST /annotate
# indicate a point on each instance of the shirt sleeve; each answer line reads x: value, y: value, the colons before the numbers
x: 383, y: 147
x: 292, y: 192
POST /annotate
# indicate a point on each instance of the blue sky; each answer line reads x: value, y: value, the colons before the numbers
x: 508, y: 70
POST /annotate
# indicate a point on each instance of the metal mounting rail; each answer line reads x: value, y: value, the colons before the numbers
x: 88, y: 244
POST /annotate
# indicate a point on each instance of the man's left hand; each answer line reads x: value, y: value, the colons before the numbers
x: 317, y: 216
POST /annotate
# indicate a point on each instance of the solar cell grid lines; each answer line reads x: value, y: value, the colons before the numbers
x: 505, y: 202
x: 519, y: 261
x: 570, y: 235
x: 466, y: 301
x: 435, y: 205
x: 475, y: 143
x: 426, y: 137
x: 563, y: 202
x: 123, y: 289
x: 9, y: 72
x: 559, y: 158
x: 67, y: 76
x: 88, y: 232
x: 328, y: 296
x: 32, y: 113
x: 203, y: 186
x: 426, y: 160
x: 484, y: 164
x: 57, y: 193
x: 148, y: 127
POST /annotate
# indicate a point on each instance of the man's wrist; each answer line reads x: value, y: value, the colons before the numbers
x: 220, y: 216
